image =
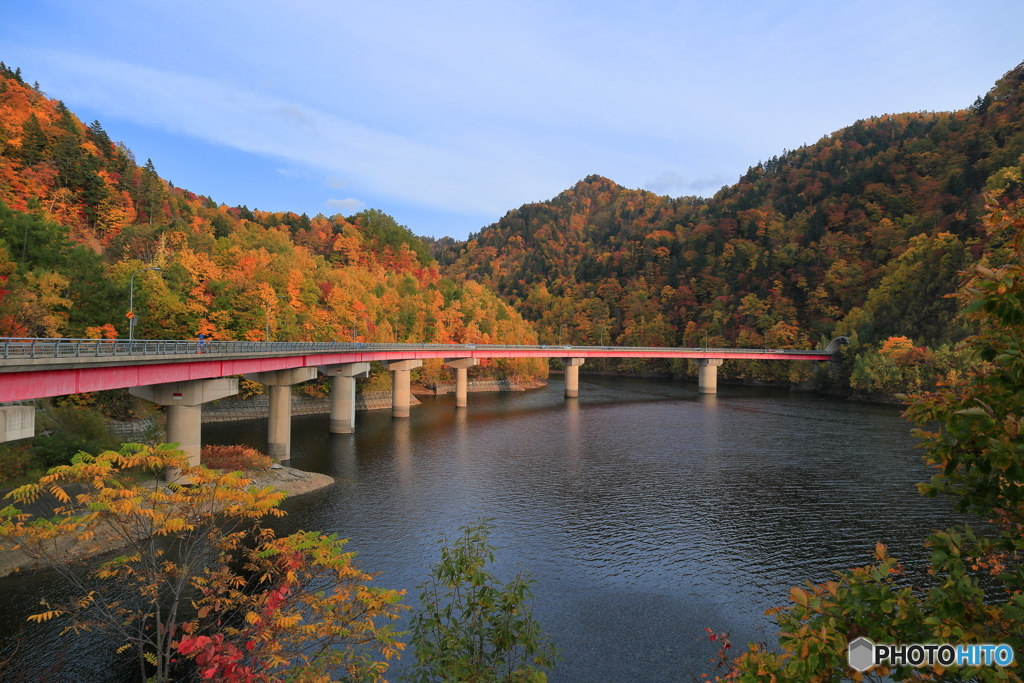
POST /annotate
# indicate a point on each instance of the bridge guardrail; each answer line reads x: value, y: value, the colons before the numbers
x: 22, y: 348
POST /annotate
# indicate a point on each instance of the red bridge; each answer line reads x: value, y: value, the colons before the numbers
x: 185, y: 374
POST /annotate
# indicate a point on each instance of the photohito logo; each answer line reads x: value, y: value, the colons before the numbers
x: 863, y: 654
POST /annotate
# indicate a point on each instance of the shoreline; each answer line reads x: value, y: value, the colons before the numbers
x: 478, y: 386
x: 841, y: 394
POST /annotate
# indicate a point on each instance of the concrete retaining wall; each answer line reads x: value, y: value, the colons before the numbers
x: 259, y: 407
x: 480, y: 385
x: 133, y: 430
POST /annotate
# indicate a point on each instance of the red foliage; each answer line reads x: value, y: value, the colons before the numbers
x: 721, y: 657
x: 234, y: 458
x: 220, y: 660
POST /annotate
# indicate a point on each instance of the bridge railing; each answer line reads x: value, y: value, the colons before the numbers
x: 26, y: 348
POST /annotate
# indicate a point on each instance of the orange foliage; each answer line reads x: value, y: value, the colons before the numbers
x: 107, y: 331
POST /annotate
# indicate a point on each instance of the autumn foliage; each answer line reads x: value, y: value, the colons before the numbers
x: 234, y: 458
x: 970, y: 426
x: 313, y: 615
x: 78, y: 216
x: 196, y: 576
x: 862, y: 233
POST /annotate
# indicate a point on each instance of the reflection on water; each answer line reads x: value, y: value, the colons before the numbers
x: 645, y: 511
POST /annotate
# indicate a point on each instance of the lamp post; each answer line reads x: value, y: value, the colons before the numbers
x: 266, y: 337
x: 131, y: 302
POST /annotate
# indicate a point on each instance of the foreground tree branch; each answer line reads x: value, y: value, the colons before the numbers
x: 198, y: 576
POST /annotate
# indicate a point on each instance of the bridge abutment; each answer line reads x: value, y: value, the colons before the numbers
x: 279, y: 423
x: 572, y: 376
x: 400, y: 391
x: 17, y: 422
x: 461, y: 367
x: 707, y: 375
x: 343, y: 394
x: 184, y: 401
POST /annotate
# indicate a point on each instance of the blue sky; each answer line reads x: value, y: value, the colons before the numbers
x: 448, y: 114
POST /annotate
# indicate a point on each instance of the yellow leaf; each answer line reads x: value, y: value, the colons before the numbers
x: 60, y: 494
x: 45, y: 616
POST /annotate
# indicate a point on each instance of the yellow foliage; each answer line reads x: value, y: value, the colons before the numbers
x: 44, y: 302
x: 199, y: 265
x: 45, y: 616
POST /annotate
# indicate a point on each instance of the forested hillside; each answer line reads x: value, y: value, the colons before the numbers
x: 78, y: 216
x: 862, y: 233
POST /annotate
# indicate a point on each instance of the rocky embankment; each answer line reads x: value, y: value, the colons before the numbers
x: 478, y: 385
x: 294, y: 482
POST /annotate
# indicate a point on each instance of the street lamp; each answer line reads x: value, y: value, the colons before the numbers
x: 266, y: 337
x: 131, y: 302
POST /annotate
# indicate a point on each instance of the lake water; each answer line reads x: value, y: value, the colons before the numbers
x: 644, y: 511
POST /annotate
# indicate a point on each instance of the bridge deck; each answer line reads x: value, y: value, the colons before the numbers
x: 34, y: 368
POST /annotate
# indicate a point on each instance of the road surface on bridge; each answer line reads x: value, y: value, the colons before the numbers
x: 36, y: 368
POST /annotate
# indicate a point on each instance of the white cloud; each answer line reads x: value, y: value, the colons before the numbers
x: 296, y: 117
x: 666, y: 183
x: 705, y: 183
x: 450, y: 174
x: 346, y: 206
x: 675, y: 185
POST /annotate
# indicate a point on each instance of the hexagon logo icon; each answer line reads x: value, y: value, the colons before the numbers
x: 861, y: 654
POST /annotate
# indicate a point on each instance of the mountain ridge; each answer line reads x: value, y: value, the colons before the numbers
x: 809, y: 233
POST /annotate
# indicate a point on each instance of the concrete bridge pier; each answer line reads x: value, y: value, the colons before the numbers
x: 184, y: 401
x: 279, y: 424
x: 572, y: 376
x: 400, y: 394
x: 461, y: 366
x: 343, y: 394
x: 707, y: 375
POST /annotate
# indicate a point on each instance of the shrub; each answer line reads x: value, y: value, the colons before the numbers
x: 15, y: 461
x: 472, y: 627
x: 234, y: 458
x: 67, y: 429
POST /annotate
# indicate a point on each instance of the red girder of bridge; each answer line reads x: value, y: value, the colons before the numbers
x: 25, y: 378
